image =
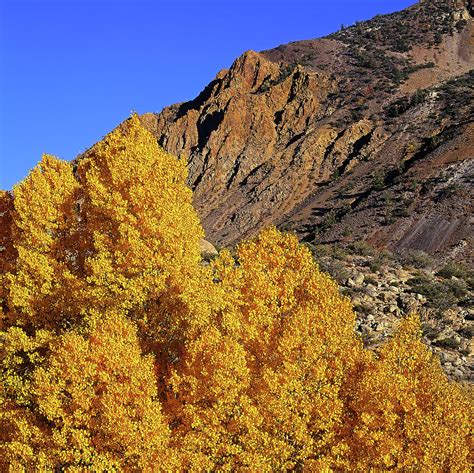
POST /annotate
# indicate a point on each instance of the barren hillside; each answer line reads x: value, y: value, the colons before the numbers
x: 366, y: 134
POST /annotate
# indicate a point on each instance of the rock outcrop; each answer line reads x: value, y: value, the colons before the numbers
x: 208, y: 250
x: 366, y: 134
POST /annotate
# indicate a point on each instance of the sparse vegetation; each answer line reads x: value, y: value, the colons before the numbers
x: 361, y: 248
x: 402, y: 105
x: 329, y: 220
x: 418, y: 259
x: 458, y: 270
x: 441, y: 295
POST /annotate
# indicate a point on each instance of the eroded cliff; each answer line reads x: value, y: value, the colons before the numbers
x: 365, y: 134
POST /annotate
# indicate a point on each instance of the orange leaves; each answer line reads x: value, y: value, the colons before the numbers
x: 44, y: 204
x: 101, y: 388
x: 120, y: 351
x: 407, y: 413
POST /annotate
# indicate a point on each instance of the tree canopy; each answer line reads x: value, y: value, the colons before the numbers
x: 121, y: 351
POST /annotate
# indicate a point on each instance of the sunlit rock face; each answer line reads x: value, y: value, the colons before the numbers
x: 366, y: 134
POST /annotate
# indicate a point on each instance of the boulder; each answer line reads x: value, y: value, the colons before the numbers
x: 208, y: 250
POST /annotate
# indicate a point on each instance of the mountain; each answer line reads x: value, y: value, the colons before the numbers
x: 365, y: 134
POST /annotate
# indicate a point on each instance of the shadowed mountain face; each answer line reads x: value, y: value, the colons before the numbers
x: 365, y: 134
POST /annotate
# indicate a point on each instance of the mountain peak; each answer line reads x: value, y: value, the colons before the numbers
x: 314, y: 135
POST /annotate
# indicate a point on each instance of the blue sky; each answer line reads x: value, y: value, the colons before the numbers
x: 72, y: 70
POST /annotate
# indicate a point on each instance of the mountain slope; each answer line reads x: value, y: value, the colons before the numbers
x: 365, y: 134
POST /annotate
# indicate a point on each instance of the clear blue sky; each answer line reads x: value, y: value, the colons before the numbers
x: 71, y: 70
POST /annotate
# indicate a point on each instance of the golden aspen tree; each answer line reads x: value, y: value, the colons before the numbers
x: 300, y: 334
x: 405, y: 415
x: 117, y: 230
x: 121, y: 351
x: 97, y: 396
x: 76, y: 256
x: 142, y: 232
x: 295, y: 342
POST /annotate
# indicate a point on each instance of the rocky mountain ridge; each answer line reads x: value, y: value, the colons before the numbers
x: 365, y: 134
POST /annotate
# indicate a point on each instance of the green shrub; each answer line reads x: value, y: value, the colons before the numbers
x: 439, y: 295
x: 361, y: 248
x: 378, y: 181
x: 456, y: 269
x: 418, y: 259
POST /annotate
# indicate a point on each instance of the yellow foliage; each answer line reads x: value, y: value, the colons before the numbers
x: 121, y: 351
x: 43, y: 216
x: 407, y: 415
x: 95, y: 395
x: 140, y: 222
x: 298, y: 334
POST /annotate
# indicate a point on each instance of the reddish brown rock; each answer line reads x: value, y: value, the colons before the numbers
x: 366, y: 134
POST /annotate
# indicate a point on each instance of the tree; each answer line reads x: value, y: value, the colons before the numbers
x: 115, y: 235
x: 299, y: 336
x: 91, y: 402
x: 405, y: 414
x: 120, y: 350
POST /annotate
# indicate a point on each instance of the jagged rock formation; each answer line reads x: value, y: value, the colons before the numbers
x: 366, y: 134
